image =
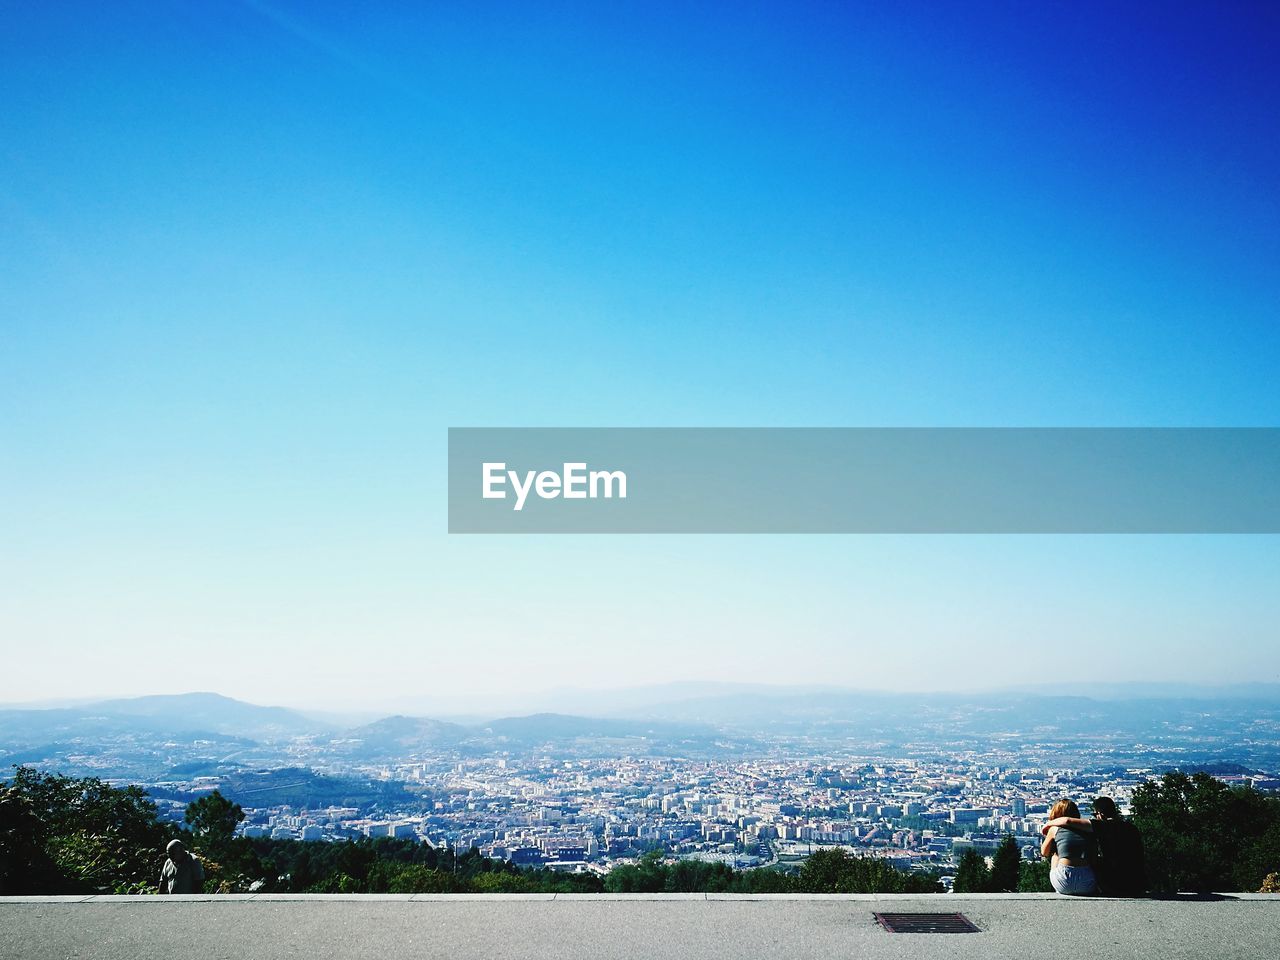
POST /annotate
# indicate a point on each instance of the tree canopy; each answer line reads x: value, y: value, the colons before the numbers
x: 1202, y: 835
x: 77, y: 835
x: 80, y: 835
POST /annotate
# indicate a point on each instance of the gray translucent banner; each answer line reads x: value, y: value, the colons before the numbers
x: 864, y: 480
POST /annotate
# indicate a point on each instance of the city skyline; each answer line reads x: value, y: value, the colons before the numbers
x: 259, y: 259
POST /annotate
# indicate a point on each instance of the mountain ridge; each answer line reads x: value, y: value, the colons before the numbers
x: 733, y: 719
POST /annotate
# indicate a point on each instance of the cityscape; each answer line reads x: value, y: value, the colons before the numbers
x: 579, y: 794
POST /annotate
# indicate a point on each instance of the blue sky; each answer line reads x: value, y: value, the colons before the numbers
x: 256, y: 258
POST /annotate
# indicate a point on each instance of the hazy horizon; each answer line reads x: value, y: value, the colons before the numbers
x: 633, y: 699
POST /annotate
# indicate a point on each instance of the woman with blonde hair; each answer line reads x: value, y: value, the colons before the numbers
x: 1071, y: 853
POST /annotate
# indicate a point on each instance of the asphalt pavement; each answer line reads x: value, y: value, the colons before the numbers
x: 504, y: 927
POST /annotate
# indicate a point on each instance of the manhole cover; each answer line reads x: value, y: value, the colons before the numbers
x: 926, y: 923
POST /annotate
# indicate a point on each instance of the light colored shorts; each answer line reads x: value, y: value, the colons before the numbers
x: 1073, y: 881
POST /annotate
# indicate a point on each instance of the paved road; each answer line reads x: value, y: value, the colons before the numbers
x: 691, y: 926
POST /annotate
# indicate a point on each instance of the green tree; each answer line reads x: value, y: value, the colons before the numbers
x: 1204, y: 836
x: 337, y: 882
x: 1005, y: 866
x: 836, y: 870
x: 415, y: 878
x: 81, y: 834
x: 230, y: 863
x: 972, y: 875
x: 694, y: 876
x: 649, y: 875
x: 1034, y: 877
x: 1260, y: 858
x: 213, y: 820
x: 25, y: 866
x: 764, y: 880
x: 503, y: 882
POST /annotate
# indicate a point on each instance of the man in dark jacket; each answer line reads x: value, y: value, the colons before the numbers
x: 1123, y: 867
x: 181, y: 872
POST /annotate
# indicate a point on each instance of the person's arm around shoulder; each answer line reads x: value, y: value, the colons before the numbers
x: 1047, y: 846
x: 1075, y: 823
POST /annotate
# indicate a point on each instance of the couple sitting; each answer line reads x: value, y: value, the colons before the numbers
x: 1103, y: 855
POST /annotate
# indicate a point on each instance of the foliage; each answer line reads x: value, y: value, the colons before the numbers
x: 229, y: 862
x: 838, y: 871
x: 213, y: 819
x: 972, y: 875
x: 387, y: 865
x: 416, y: 878
x: 833, y: 871
x: 69, y: 835
x: 696, y: 876
x: 827, y: 871
x: 1202, y: 835
x: 649, y: 875
x: 1006, y: 867
x: 494, y: 882
x: 1033, y: 877
x: 25, y: 866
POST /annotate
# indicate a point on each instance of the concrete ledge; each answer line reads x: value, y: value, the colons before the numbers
x: 941, y: 899
x: 632, y: 927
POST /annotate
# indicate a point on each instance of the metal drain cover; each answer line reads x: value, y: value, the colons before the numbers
x: 926, y: 923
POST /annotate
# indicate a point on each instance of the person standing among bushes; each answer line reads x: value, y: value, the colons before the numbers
x: 181, y: 872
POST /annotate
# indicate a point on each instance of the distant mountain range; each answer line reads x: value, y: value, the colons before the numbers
x: 192, y: 715
x: 1078, y: 706
x: 668, y: 700
x: 405, y: 736
x: 210, y: 716
x: 679, y: 720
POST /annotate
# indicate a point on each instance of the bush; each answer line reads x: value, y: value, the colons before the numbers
x: 838, y: 871
x: 1033, y: 877
x: 494, y: 882
x: 419, y: 879
x: 972, y: 875
x: 68, y: 835
x: 1204, y: 836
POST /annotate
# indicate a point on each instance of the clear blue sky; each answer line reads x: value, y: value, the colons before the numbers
x: 256, y: 258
